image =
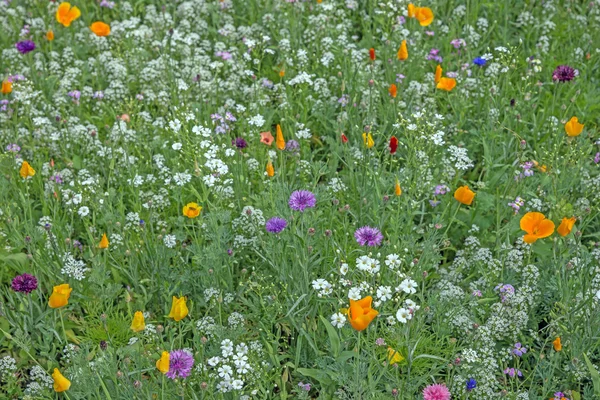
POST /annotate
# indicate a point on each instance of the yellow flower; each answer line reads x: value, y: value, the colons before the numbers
x: 398, y: 189
x: 279, y: 141
x: 403, y: 51
x: 446, y: 84
x: 103, y: 242
x: 573, y: 127
x: 179, y: 309
x: 6, y: 87
x: 61, y: 384
x: 557, y: 344
x: 138, y: 323
x: 270, y: 170
x: 368, y: 140
x: 100, y: 28
x: 411, y: 10
x: 26, y: 170
x: 50, y: 36
x: 192, y: 210
x: 393, y: 356
x: 438, y: 73
x: 537, y: 226
x: 424, y: 15
x: 162, y: 364
x: 60, y: 296
x: 464, y: 195
x: 566, y: 225
x: 281, y: 73
x: 67, y: 14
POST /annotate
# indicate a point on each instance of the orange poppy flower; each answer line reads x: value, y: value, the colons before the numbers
x: 361, y: 314
x: 192, y: 210
x: 446, y: 84
x: 50, y: 36
x: 100, y: 28
x: 6, y: 87
x: 26, y: 170
x: 266, y: 138
x: 424, y: 15
x: 464, y: 195
x: 397, y: 189
x: 103, y: 242
x: 438, y: 73
x: 403, y: 51
x: 393, y: 90
x: 537, y: 226
x: 411, y: 10
x: 270, y: 169
x: 566, y: 225
x: 60, y: 296
x: 280, y: 141
x: 557, y: 344
x: 67, y: 14
x: 372, y: 54
x: 573, y: 127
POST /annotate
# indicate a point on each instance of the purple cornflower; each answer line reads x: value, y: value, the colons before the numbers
x: 24, y: 283
x: 519, y: 349
x: 25, y: 46
x: 239, y: 142
x: 300, y: 200
x: 368, y: 236
x: 276, y: 225
x: 564, y: 73
x: 180, y: 364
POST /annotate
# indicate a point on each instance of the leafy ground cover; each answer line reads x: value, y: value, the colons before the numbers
x: 266, y: 199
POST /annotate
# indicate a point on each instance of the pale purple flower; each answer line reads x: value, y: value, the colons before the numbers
x: 597, y: 158
x: 519, y: 349
x: 368, y: 236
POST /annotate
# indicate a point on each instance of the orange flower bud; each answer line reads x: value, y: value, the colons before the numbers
x: 566, y: 225
x: 464, y: 195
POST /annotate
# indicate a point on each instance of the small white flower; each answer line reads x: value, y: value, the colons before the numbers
x: 176, y: 146
x: 83, y: 211
x: 403, y: 315
x: 344, y: 269
x: 384, y: 293
x: 338, y: 320
x: 354, y: 293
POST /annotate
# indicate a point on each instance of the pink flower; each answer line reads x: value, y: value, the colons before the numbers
x: 436, y: 392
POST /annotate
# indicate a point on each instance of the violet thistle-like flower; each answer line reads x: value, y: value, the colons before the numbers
x: 368, y: 236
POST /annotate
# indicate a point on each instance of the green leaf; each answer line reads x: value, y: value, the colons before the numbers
x: 334, y: 339
x: 594, y: 374
x: 321, y: 376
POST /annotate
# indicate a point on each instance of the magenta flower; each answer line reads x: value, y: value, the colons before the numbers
x: 25, y: 46
x: 436, y: 392
x: 24, y: 283
x: 564, y: 73
x: 276, y: 225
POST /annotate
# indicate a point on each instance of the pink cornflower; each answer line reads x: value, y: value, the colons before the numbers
x: 439, y: 391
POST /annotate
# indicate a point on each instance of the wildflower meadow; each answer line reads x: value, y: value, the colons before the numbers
x: 300, y: 199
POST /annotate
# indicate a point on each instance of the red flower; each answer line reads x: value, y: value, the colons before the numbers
x: 393, y: 144
x: 372, y: 54
x: 344, y: 138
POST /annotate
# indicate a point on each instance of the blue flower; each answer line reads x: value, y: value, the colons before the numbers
x: 479, y: 61
x: 471, y: 384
